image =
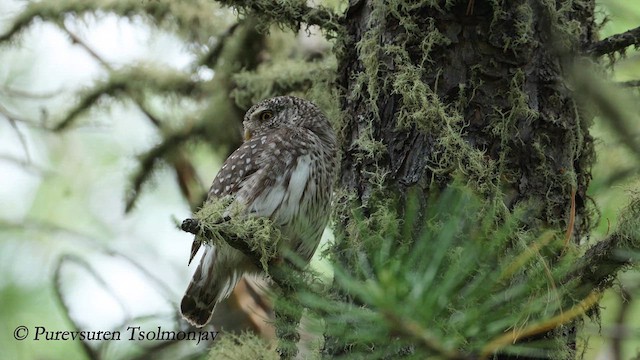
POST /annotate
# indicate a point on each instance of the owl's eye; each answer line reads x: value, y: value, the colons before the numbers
x: 266, y: 115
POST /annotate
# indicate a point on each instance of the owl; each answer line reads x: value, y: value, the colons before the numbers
x: 284, y: 171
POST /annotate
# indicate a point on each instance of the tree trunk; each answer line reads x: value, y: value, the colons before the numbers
x: 473, y: 87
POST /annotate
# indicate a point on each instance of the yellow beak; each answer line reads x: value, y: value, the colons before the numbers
x: 247, y: 135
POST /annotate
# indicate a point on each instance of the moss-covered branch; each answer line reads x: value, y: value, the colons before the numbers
x: 182, y: 16
x: 613, y: 43
x: 290, y: 13
x: 129, y: 81
x: 600, y: 265
x: 221, y: 221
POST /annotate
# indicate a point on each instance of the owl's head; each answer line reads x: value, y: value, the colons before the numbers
x: 284, y: 111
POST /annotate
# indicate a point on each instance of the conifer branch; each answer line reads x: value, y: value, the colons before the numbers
x: 617, y: 42
x: 290, y: 13
x: 630, y: 83
x: 430, y: 342
x: 133, y: 82
x: 563, y: 318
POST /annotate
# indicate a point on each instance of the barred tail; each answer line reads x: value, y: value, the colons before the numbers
x: 211, y: 283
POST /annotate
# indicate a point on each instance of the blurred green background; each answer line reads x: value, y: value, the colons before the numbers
x: 63, y: 193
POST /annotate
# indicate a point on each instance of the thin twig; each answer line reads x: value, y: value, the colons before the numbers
x: 96, y: 246
x: 617, y: 42
x: 211, y: 58
x: 563, y: 318
x: 13, y: 122
x: 77, y: 40
x: 22, y: 138
x: 9, y: 91
x: 90, y: 352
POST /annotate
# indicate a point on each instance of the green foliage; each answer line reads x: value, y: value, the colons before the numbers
x: 448, y: 280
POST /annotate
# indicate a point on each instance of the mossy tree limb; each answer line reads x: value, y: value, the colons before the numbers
x: 178, y: 15
x: 290, y: 13
x: 617, y: 42
x: 602, y: 262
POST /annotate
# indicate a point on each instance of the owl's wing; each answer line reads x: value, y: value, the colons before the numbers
x: 238, y: 167
x: 267, y: 175
x: 274, y: 191
x: 277, y: 195
x: 285, y: 189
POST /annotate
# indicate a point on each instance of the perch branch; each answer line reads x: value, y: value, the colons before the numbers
x: 615, y: 43
x: 194, y: 227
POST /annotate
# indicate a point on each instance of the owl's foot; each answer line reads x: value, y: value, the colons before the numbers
x: 191, y: 226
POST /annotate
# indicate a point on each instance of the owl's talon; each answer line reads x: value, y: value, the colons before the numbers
x: 191, y: 226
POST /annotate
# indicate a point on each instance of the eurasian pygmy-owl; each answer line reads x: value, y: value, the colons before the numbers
x: 284, y: 170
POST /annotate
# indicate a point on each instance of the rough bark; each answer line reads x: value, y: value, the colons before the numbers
x: 501, y: 86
